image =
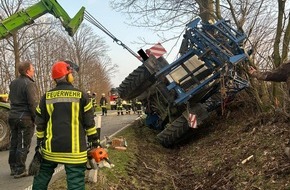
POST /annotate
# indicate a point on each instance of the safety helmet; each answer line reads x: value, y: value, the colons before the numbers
x: 60, y: 69
x: 103, y: 94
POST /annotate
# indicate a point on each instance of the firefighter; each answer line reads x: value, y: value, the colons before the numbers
x: 89, y: 94
x: 128, y: 107
x: 119, y: 106
x: 134, y: 105
x: 64, y: 118
x: 138, y: 107
x: 124, y: 104
x: 103, y: 104
x: 94, y: 101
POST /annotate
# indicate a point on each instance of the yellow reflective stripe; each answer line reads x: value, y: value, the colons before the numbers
x: 38, y: 110
x: 75, y: 128
x: 60, y: 99
x: 66, y: 160
x: 39, y: 134
x: 91, y: 131
x: 49, y: 108
x: 65, y: 154
x: 88, y: 106
x: 73, y: 158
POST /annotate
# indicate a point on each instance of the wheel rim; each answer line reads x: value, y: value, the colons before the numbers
x: 3, y: 130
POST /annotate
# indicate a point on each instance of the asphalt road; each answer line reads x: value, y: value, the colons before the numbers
x: 110, y: 125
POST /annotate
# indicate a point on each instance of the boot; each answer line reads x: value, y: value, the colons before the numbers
x: 23, y: 174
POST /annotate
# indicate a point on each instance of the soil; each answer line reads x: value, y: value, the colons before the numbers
x: 238, y: 150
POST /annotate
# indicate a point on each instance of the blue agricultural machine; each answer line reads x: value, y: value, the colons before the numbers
x: 180, y: 96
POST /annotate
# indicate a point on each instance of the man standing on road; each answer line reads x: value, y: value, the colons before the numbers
x: 64, y: 118
x: 281, y: 74
x: 103, y: 104
x: 23, y: 98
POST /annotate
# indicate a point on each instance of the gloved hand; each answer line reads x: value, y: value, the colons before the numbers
x: 34, y: 166
x: 94, y: 141
x: 96, y: 144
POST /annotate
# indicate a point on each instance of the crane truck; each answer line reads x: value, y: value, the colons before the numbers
x: 19, y: 20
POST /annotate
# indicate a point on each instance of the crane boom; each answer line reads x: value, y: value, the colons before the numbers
x: 27, y: 16
x: 96, y: 23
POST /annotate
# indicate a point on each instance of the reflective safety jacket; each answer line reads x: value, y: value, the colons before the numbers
x: 103, y: 102
x: 64, y: 118
x: 139, y: 106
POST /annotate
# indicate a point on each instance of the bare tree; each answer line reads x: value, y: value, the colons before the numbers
x: 265, y: 22
x: 89, y: 51
x: 44, y: 51
x: 17, y: 45
x: 6, y: 67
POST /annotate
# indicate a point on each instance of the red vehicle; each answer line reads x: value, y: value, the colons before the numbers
x: 113, y: 94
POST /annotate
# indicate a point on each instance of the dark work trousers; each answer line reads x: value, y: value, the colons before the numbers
x: 120, y: 109
x: 21, y: 133
x: 139, y: 109
x: 75, y: 175
x: 104, y: 110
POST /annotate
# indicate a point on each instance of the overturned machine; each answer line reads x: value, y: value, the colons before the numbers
x: 180, y: 96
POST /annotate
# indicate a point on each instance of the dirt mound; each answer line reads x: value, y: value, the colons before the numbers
x: 234, y: 151
x: 239, y: 150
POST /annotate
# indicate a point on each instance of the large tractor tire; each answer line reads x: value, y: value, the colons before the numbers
x: 174, y: 132
x: 4, y: 129
x: 136, y: 83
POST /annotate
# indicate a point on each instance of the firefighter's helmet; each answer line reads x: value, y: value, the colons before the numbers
x: 60, y: 69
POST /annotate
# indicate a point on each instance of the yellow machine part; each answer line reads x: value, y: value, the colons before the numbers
x: 4, y: 97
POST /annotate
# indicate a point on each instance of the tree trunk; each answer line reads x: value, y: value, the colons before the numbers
x: 206, y: 10
x: 277, y: 91
x: 16, y: 53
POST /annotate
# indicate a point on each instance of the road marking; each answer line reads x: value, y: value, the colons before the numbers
x: 99, y: 124
x: 120, y: 130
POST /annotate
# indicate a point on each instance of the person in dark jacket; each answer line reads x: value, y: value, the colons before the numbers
x: 119, y: 106
x: 23, y: 98
x: 103, y: 104
x: 64, y: 124
x: 281, y: 74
